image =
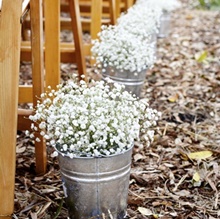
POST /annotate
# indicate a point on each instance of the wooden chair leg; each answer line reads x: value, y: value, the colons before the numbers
x: 36, y: 14
x: 78, y: 41
x: 117, y: 8
x: 112, y: 10
x: 128, y: 4
x: 10, y: 29
x: 52, y: 42
x: 96, y: 18
x: 96, y: 21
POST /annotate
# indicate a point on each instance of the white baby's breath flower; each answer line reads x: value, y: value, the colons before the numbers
x: 37, y: 139
x: 164, y: 5
x: 65, y: 147
x: 42, y: 133
x: 31, y: 135
x: 42, y: 125
x: 93, y: 120
x: 126, y: 46
x: 54, y: 154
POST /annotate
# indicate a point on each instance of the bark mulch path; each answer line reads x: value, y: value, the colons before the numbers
x: 166, y: 180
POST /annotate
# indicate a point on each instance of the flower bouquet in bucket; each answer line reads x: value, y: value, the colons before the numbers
x: 126, y: 50
x: 166, y: 6
x: 92, y: 128
x: 123, y: 57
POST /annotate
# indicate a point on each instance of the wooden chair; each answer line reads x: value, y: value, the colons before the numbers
x: 10, y: 29
x: 52, y: 21
x: 93, y: 13
x: 92, y: 16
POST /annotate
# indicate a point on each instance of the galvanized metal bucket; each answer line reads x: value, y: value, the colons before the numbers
x: 153, y: 41
x: 133, y: 81
x: 96, y: 187
x: 164, y: 25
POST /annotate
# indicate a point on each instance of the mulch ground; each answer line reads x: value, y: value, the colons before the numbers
x: 166, y: 181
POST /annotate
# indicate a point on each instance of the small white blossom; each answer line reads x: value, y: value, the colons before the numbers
x: 31, y: 135
x: 54, y: 154
x: 42, y: 125
x: 37, y: 139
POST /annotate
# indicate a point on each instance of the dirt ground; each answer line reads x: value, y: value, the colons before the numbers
x: 168, y: 180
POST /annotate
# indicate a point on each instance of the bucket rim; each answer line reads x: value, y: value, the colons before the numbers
x: 60, y: 154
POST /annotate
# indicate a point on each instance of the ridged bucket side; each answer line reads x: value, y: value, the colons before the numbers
x: 96, y: 187
x: 133, y: 81
x: 164, y: 25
